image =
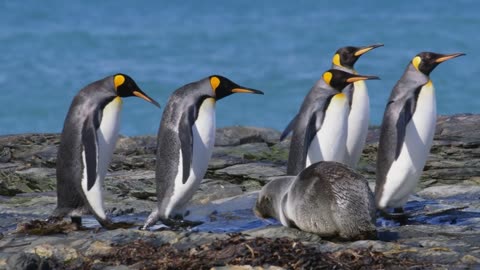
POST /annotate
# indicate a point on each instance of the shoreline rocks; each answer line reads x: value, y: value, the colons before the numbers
x: 444, y: 228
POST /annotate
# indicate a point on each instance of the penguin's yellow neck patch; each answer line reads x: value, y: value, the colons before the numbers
x: 210, y: 101
x: 340, y: 96
x: 327, y: 77
x: 416, y: 61
x: 118, y: 80
x: 214, y: 82
x: 429, y: 83
x: 336, y: 60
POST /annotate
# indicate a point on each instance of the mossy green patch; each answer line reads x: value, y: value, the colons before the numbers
x: 12, y: 183
x: 274, y: 154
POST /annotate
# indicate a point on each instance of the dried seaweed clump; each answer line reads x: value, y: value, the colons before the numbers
x: 46, y: 227
x: 238, y: 250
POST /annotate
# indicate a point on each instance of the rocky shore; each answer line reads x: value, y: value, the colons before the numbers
x: 442, y: 232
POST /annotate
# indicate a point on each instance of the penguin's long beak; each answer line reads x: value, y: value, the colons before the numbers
x: 246, y: 90
x: 445, y: 57
x: 365, y: 49
x: 361, y: 78
x: 139, y: 93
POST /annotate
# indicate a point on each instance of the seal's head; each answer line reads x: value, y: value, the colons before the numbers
x: 263, y: 207
x: 269, y: 199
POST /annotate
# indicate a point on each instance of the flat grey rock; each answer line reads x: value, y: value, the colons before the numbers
x: 256, y: 171
x: 467, y: 192
x: 31, y: 179
x: 211, y: 190
x: 236, y: 135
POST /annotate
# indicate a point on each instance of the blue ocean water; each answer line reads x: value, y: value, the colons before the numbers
x: 51, y: 49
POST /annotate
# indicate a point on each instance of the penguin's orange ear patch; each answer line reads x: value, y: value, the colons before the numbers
x: 214, y: 82
x: 118, y: 80
x: 327, y: 77
x: 416, y: 61
x: 336, y: 60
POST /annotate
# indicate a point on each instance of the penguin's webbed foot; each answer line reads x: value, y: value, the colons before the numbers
x: 172, y: 224
x: 181, y: 223
x: 119, y: 225
x: 76, y: 220
x: 54, y: 219
x: 111, y: 225
x: 398, y: 215
x: 151, y: 220
x: 177, y: 217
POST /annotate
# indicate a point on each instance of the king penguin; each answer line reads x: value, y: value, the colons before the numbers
x: 86, y: 146
x: 407, y: 131
x: 185, y: 142
x: 320, y: 127
x: 357, y: 93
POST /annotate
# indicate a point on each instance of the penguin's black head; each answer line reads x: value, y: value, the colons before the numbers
x: 223, y: 87
x: 425, y: 62
x: 347, y: 56
x: 125, y: 86
x: 339, y: 79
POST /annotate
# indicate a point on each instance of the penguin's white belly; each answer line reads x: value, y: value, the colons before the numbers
x: 107, y: 135
x: 203, y: 132
x: 329, y: 142
x: 358, y: 121
x: 403, y: 176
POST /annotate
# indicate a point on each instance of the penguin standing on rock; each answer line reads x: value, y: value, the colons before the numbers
x: 320, y: 127
x: 359, y: 116
x: 86, y: 146
x: 407, y: 131
x: 185, y: 142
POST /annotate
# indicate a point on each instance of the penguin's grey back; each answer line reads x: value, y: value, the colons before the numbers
x: 315, y: 101
x: 392, y: 124
x: 168, y: 139
x: 90, y: 100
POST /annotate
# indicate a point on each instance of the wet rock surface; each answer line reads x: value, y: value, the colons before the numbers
x: 442, y: 231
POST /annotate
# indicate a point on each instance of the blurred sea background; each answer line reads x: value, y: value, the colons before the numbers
x: 51, y: 49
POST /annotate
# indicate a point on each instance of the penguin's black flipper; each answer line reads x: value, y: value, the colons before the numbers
x: 316, y: 121
x: 314, y: 125
x: 403, y: 119
x: 289, y: 128
x: 89, y: 141
x: 186, y: 140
